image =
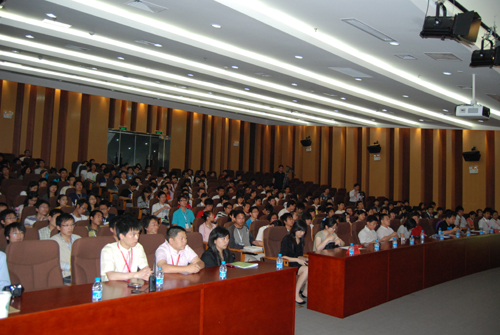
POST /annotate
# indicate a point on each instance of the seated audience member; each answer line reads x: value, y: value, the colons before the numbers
x: 80, y: 210
x: 385, y: 232
x: 289, y: 208
x: 220, y: 192
x: 42, y: 209
x: 368, y: 233
x: 111, y: 226
x: 439, y: 214
x: 254, y: 215
x: 307, y: 217
x: 417, y: 230
x: 103, y: 180
x: 460, y: 220
x: 429, y: 213
x: 246, y: 209
x: 217, y: 250
x: 175, y: 256
x: 406, y: 229
x: 470, y: 220
x: 292, y: 248
x: 487, y: 222
x: 14, y: 232
x: 325, y: 195
x: 71, y: 181
x: 360, y: 206
x: 104, y: 206
x: 447, y: 225
x: 207, y: 226
x: 392, y: 215
x: 31, y: 200
x: 150, y: 224
x: 361, y: 216
x: 65, y: 239
x: 126, y: 194
x: 183, y: 217
x: 32, y: 187
x: 161, y: 208
x: 143, y: 199
x: 287, y: 220
x: 326, y: 238
x: 340, y: 208
x: 209, y: 206
x: 51, y: 192
x: 62, y: 201
x: 92, y: 202
x: 4, y: 271
x: 227, y: 208
x: 95, y: 219
x: 125, y: 259
x: 44, y: 233
x: 240, y: 236
x: 495, y: 219
x: 7, y: 217
x: 78, y: 194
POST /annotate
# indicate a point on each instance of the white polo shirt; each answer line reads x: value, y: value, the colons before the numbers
x: 384, y: 231
x: 366, y: 235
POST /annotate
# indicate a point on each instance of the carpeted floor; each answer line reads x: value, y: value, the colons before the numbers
x: 469, y: 305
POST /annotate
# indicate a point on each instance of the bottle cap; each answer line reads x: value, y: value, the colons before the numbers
x: 223, y: 262
x: 97, y: 278
x: 279, y: 255
x: 159, y: 269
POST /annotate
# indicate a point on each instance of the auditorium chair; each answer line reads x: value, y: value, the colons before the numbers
x: 162, y: 230
x: 272, y: 244
x: 34, y: 264
x: 104, y: 231
x: 426, y: 226
x: 151, y: 242
x: 27, y: 211
x: 222, y: 221
x: 308, y: 240
x: 395, y: 225
x: 31, y: 234
x: 82, y: 223
x: 255, y: 226
x: 344, y: 232
x: 86, y: 259
x: 195, y: 242
x: 196, y: 224
x: 40, y: 224
x: 68, y: 210
x: 197, y: 209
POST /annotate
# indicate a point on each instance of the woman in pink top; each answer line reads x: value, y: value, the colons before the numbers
x: 207, y: 226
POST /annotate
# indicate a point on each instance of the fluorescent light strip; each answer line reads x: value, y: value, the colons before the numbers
x: 238, y: 77
x: 191, y: 81
x: 158, y: 26
x: 165, y: 87
x: 154, y: 93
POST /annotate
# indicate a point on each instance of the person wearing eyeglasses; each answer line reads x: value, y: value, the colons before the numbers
x: 65, y: 224
x: 42, y: 211
x: 14, y: 232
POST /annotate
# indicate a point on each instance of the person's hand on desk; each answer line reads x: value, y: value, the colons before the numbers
x: 192, y: 268
x: 143, y: 273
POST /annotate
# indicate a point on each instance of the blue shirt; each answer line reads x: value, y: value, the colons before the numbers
x: 183, y: 219
x: 249, y: 221
x: 4, y: 271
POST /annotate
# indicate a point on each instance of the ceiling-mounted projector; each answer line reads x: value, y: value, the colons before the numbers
x: 473, y: 111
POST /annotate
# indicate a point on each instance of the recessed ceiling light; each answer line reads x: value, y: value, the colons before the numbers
x: 445, y: 110
x: 52, y: 16
x: 158, y: 45
x: 234, y: 67
x: 15, y: 51
x: 298, y: 57
x: 157, y: 81
x: 358, y: 79
x: 374, y: 120
x: 57, y: 23
x: 93, y: 68
x: 421, y: 120
x: 247, y: 89
x: 120, y: 58
x: 384, y: 109
x: 447, y: 73
x: 215, y: 25
x: 294, y: 84
x: 343, y: 98
x: 29, y: 36
x: 294, y: 100
x: 394, y: 43
x: 190, y: 74
x: 405, y: 96
x: 480, y: 120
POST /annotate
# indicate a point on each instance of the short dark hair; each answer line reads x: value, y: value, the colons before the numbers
x: 226, y: 204
x: 173, y: 231
x: 126, y: 223
x: 5, y: 212
x: 371, y: 218
x: 94, y: 212
x: 133, y: 183
x: 237, y: 212
x: 63, y: 218
x: 206, y: 215
x: 459, y: 208
x: 55, y: 211
x: 290, y: 203
x: 285, y: 217
x: 15, y: 225
x: 41, y: 202
x: 306, y: 216
x: 105, y: 203
x: 81, y: 202
x: 208, y: 202
x: 382, y: 216
x: 449, y: 214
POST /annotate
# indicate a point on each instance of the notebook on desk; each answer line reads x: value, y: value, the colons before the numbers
x: 253, y: 249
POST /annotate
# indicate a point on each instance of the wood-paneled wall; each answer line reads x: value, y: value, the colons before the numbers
x: 416, y: 164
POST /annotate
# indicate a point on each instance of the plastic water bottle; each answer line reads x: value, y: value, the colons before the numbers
x: 481, y: 232
x: 279, y: 262
x: 492, y: 231
x: 403, y: 239
x: 351, y: 250
x: 223, y: 271
x: 159, y: 278
x: 412, y: 240
x: 377, y: 245
x: 440, y: 232
x: 457, y: 233
x: 468, y: 232
x: 97, y: 290
x: 394, y: 243
x: 422, y: 237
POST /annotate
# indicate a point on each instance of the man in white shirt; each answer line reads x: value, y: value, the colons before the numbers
x: 44, y: 233
x: 385, y: 232
x: 368, y: 233
x: 487, y: 222
x: 355, y: 194
x: 340, y: 209
x: 290, y: 207
x: 125, y: 259
x: 175, y: 256
x: 460, y: 221
x: 259, y: 240
x: 220, y: 192
x: 81, y: 208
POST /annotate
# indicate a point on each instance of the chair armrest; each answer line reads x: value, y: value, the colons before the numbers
x: 239, y: 253
x: 273, y: 260
x: 138, y: 210
x: 206, y: 245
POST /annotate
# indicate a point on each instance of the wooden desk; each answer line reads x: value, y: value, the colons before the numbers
x: 259, y: 301
x: 340, y: 285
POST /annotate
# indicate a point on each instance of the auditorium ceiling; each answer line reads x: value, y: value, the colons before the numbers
x: 316, y: 62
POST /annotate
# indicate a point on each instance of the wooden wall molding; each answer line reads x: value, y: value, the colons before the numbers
x: 61, y: 129
x: 83, y: 146
x: 18, y: 117
x: 48, y: 119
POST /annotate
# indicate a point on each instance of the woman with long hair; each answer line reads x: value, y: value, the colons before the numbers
x: 30, y: 201
x: 143, y: 199
x: 217, y: 251
x: 32, y: 187
x: 292, y: 248
x: 326, y: 238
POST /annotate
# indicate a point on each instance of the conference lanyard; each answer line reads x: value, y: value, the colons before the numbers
x: 241, y: 238
x: 178, y: 259
x: 131, y: 257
